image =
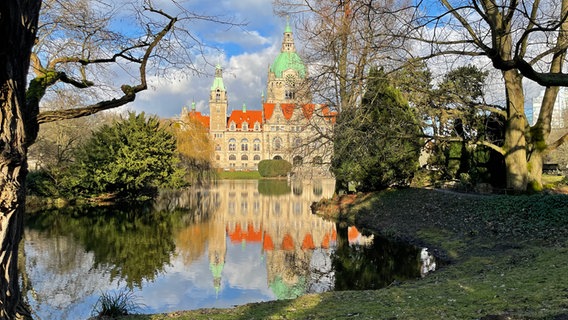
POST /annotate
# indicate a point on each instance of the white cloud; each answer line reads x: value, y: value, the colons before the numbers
x: 248, y: 51
x: 244, y: 76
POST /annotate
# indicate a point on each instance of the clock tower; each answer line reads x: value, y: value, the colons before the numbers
x: 218, y: 103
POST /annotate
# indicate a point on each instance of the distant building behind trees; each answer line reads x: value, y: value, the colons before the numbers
x: 288, y: 126
x: 560, y: 113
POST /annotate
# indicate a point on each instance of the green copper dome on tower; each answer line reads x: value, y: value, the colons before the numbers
x: 288, y: 58
x: 218, y: 81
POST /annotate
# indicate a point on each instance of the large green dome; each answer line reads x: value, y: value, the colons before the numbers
x: 288, y: 60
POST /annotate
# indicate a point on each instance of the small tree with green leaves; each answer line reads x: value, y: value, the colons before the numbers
x: 128, y: 158
x: 378, y: 144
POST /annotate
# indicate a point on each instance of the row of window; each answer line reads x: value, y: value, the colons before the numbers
x: 244, y: 157
x: 244, y: 145
x: 257, y: 128
x: 283, y: 128
x: 276, y: 144
x: 297, y: 208
x: 244, y: 126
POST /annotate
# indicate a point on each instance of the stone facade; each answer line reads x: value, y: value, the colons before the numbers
x: 287, y: 127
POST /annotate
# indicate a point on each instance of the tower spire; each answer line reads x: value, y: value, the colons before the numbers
x: 288, y: 41
x: 218, y: 81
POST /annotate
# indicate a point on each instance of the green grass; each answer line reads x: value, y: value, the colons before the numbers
x: 238, y: 175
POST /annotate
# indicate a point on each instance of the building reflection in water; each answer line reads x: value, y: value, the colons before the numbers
x: 234, y: 243
x: 276, y: 216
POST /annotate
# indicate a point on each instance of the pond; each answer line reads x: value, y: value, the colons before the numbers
x: 234, y: 243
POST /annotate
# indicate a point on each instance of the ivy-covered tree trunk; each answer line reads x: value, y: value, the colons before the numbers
x: 515, y: 132
x: 18, y: 128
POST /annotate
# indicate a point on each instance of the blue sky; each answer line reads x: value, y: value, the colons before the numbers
x: 247, y: 52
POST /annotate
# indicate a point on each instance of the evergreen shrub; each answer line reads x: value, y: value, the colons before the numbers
x: 274, y: 168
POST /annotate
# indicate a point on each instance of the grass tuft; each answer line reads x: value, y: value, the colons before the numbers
x: 115, y: 304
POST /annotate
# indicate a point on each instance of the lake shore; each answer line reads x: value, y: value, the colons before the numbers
x: 508, y: 258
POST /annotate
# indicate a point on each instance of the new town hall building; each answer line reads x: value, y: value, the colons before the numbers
x: 288, y: 126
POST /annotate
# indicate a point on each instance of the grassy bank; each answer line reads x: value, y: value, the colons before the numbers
x: 509, y: 259
x: 238, y: 175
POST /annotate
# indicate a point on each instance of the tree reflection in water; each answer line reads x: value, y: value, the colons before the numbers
x: 113, y: 236
x: 234, y: 243
x: 372, y: 266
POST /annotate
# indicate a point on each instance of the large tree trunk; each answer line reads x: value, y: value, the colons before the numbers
x: 541, y: 130
x: 537, y: 139
x: 18, y: 129
x: 12, y: 177
x: 515, y: 132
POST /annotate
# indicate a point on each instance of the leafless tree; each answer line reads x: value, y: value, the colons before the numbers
x: 68, y: 44
x: 341, y: 42
x: 520, y: 39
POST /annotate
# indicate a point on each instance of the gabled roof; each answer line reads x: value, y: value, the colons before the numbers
x: 239, y: 235
x: 307, y: 110
x: 197, y: 116
x: 287, y: 110
x: 248, y: 116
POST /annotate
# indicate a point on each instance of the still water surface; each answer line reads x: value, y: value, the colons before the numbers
x: 234, y: 243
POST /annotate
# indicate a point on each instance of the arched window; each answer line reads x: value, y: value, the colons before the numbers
x: 218, y: 157
x: 245, y: 126
x: 289, y: 94
x: 244, y: 157
x: 232, y: 126
x: 297, y: 189
x: 277, y: 143
x: 232, y: 144
x: 218, y: 95
x: 297, y: 161
x: 244, y: 145
x: 256, y: 126
x: 232, y: 157
x: 297, y: 142
x: 256, y: 145
x: 277, y: 158
x: 318, y: 190
x: 217, y: 147
x: 256, y: 157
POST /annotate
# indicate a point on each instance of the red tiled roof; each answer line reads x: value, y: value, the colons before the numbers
x: 267, y: 243
x: 196, y: 115
x: 249, y: 116
x: 308, y: 110
x: 287, y: 243
x: 288, y: 110
x: 325, y: 241
x: 352, y: 234
x: 308, y: 242
x: 238, y: 235
x: 268, y: 110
